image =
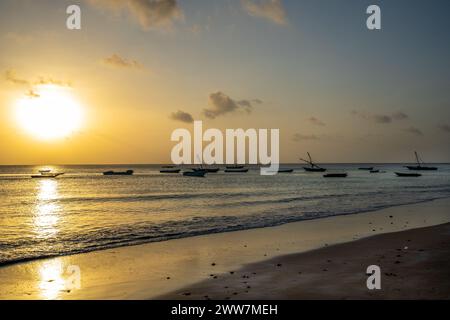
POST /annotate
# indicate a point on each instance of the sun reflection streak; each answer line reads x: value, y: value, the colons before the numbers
x: 51, y: 281
x: 46, y: 212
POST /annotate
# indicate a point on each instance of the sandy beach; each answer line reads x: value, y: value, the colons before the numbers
x: 314, y: 259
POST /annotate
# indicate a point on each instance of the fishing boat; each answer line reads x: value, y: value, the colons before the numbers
x: 46, y: 174
x: 198, y: 173
x: 403, y: 174
x: 285, y: 170
x: 208, y: 170
x: 335, y: 175
x: 237, y: 170
x: 366, y: 168
x: 312, y: 166
x: 118, y: 173
x: 169, y: 169
x: 375, y: 171
x: 235, y: 166
x: 420, y: 164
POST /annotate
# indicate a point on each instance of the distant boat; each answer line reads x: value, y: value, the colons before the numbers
x: 235, y: 166
x: 169, y: 169
x: 198, y: 173
x: 313, y: 167
x: 118, y: 173
x: 374, y: 171
x: 209, y: 170
x: 237, y: 170
x: 366, y: 168
x: 46, y: 174
x: 420, y: 165
x: 285, y: 170
x: 402, y: 174
x: 335, y: 175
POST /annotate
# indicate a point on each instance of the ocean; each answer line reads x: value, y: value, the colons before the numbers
x: 83, y: 210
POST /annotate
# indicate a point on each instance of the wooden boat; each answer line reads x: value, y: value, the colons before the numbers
x: 240, y: 170
x: 208, y: 170
x: 366, y: 168
x: 198, y: 173
x: 312, y: 166
x: 420, y: 165
x: 335, y: 175
x: 235, y: 166
x: 285, y: 170
x: 169, y: 169
x: 118, y: 173
x: 374, y: 171
x: 402, y: 174
x: 43, y: 174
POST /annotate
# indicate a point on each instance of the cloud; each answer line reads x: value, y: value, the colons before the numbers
x: 222, y: 104
x: 301, y: 137
x: 10, y: 76
x: 149, y: 14
x: 380, y: 118
x: 182, y: 116
x: 414, y: 131
x: 271, y: 10
x: 32, y: 94
x: 399, y: 116
x: 444, y: 127
x: 316, y: 121
x: 117, y: 61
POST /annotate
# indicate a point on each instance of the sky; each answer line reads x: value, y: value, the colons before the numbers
x: 139, y: 69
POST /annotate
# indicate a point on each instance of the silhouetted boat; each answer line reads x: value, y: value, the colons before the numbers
x: 208, y: 170
x: 46, y: 174
x: 118, y: 173
x: 335, y: 175
x: 420, y: 165
x: 237, y: 170
x: 169, y: 169
x: 198, y: 173
x: 235, y: 166
x: 313, y: 167
x: 374, y: 171
x: 402, y: 174
x: 366, y: 168
x: 285, y: 170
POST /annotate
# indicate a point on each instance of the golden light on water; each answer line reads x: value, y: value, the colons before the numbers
x: 46, y: 213
x: 51, y: 281
x: 50, y: 112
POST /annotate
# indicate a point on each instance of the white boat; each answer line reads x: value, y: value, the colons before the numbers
x: 46, y: 174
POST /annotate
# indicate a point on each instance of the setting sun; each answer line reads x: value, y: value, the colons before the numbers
x: 49, y: 112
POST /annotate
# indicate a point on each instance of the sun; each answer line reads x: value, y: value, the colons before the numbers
x: 49, y: 112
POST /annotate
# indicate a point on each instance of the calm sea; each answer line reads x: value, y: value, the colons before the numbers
x: 84, y: 210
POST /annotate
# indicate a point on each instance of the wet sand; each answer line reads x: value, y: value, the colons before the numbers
x: 414, y: 264
x: 202, y: 265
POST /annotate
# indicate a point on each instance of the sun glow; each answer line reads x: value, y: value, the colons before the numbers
x: 49, y: 112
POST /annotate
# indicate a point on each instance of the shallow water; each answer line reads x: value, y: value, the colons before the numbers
x: 84, y: 210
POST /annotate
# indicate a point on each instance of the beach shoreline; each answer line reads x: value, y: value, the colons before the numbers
x: 162, y: 269
x: 413, y: 265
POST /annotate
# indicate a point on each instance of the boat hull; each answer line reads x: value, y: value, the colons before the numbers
x: 421, y: 168
x: 114, y: 173
x: 199, y: 174
x: 209, y: 170
x: 236, y: 170
x: 314, y: 169
x: 335, y: 175
x: 401, y: 174
x: 170, y: 171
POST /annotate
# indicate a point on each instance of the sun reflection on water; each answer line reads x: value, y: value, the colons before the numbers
x: 46, y: 213
x: 51, y: 281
